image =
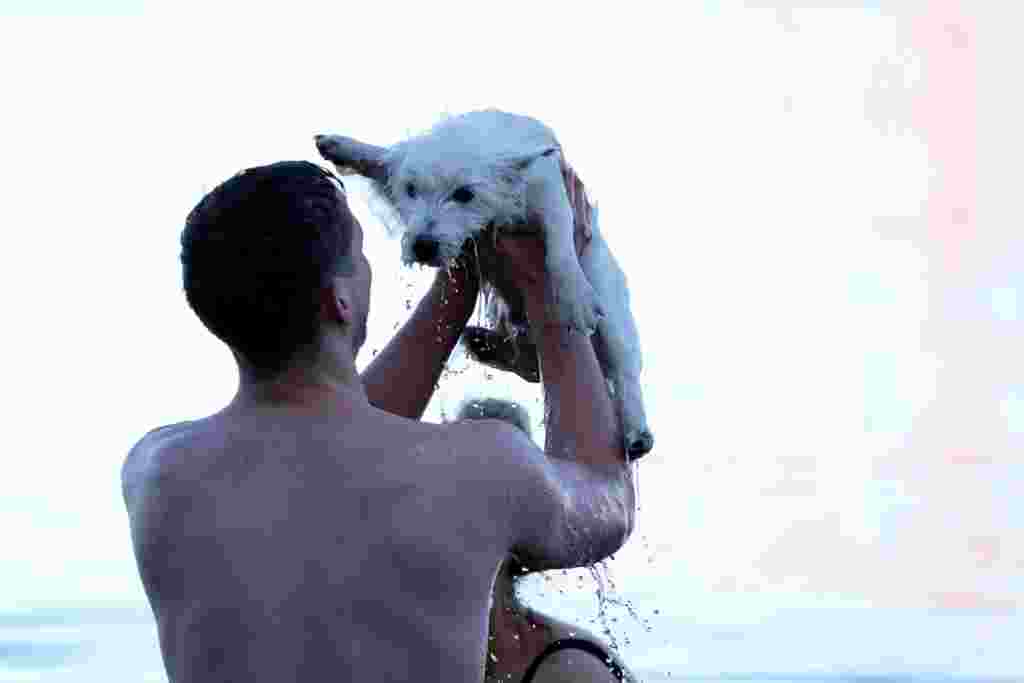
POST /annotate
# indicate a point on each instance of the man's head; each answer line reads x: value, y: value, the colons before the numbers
x: 270, y: 258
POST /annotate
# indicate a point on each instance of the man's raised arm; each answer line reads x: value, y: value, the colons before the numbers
x: 577, y: 503
x: 402, y: 377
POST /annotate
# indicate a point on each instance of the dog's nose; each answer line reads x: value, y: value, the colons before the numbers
x: 425, y: 249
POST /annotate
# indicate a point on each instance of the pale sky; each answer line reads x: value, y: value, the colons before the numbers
x: 814, y: 210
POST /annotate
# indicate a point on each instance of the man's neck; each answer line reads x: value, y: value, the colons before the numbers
x: 302, y: 385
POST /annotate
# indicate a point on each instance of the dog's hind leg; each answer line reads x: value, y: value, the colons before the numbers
x: 617, y: 343
x: 575, y: 301
x: 509, y: 354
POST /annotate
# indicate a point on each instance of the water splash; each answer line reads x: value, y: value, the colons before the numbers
x: 607, y: 592
x: 606, y: 596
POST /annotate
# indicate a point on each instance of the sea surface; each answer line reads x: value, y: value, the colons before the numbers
x: 116, y: 645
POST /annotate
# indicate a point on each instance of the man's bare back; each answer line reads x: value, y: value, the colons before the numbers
x: 358, y: 582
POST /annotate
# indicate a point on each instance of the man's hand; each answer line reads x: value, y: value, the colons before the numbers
x: 521, y: 257
x: 521, y: 254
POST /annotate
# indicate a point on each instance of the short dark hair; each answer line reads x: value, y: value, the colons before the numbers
x: 255, y: 253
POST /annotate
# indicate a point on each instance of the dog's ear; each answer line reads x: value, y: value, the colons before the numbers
x: 351, y: 156
x: 522, y: 162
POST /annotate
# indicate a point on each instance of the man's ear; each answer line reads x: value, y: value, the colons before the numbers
x: 351, y: 156
x: 337, y: 300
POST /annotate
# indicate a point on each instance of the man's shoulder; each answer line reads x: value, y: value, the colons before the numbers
x: 499, y: 457
x: 488, y: 443
x: 158, y: 439
x: 489, y: 433
x: 148, y: 454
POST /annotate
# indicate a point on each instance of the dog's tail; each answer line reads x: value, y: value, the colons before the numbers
x: 495, y: 409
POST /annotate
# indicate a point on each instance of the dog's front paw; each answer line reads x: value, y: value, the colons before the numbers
x: 576, y: 304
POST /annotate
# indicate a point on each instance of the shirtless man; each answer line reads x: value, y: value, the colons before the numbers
x: 314, y: 529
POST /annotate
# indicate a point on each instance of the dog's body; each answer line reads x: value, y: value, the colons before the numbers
x: 490, y: 170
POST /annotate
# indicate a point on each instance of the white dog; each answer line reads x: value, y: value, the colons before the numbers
x: 487, y: 171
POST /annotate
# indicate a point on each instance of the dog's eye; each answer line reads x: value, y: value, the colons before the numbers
x: 411, y: 190
x: 463, y: 195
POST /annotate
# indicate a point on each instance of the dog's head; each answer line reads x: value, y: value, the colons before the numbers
x: 446, y: 186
